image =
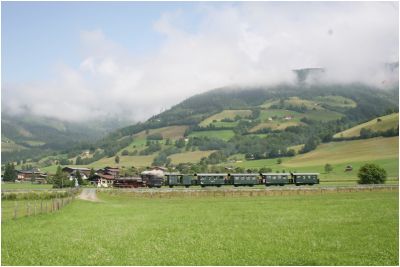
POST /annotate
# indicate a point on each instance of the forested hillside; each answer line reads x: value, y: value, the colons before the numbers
x: 26, y: 136
x: 251, y: 123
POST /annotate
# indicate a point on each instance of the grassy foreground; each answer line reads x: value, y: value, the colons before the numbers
x: 334, y: 229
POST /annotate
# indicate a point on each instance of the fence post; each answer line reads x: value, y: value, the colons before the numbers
x: 15, y: 210
x: 29, y: 209
x: 34, y: 208
x: 41, y: 206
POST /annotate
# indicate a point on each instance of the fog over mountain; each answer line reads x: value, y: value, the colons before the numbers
x: 231, y: 44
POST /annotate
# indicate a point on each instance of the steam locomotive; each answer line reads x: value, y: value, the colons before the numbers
x: 158, y: 179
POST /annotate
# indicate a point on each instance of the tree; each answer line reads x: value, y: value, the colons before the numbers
x: 92, y: 174
x: 371, y: 174
x: 366, y: 133
x: 116, y: 159
x: 78, y: 161
x: 60, y: 179
x: 328, y: 168
x: 10, y: 175
x: 180, y: 143
x: 264, y: 170
x: 278, y: 161
x: 78, y: 176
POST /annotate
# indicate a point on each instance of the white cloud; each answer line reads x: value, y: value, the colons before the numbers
x: 233, y: 44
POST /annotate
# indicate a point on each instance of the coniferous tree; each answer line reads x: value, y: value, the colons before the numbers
x: 10, y: 175
x: 78, y: 176
x: 60, y: 180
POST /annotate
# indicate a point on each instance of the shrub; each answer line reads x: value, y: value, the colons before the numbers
x: 371, y: 174
x: 328, y: 168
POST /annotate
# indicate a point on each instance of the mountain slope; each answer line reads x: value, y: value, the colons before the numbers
x: 29, y: 135
x: 379, y: 124
x: 255, y: 123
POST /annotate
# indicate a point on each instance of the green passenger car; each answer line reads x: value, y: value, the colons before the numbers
x: 211, y: 179
x: 305, y: 178
x: 276, y: 178
x: 186, y: 180
x: 173, y: 179
x: 244, y: 179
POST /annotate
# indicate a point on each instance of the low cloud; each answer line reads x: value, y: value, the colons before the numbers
x: 232, y: 44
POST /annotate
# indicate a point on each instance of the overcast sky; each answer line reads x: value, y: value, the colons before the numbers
x: 79, y: 61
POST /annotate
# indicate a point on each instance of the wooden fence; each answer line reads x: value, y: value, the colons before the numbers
x: 13, y: 209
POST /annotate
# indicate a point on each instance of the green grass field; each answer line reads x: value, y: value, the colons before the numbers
x: 225, y: 124
x: 226, y: 114
x: 172, y: 132
x: 334, y: 229
x: 336, y: 101
x: 11, y: 146
x: 137, y: 161
x: 25, y: 186
x: 223, y: 134
x: 274, y: 125
x: 297, y: 101
x: 8, y: 208
x: 323, y: 115
x: 190, y: 156
x: 387, y: 122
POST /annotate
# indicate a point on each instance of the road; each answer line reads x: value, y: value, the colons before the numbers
x: 89, y: 194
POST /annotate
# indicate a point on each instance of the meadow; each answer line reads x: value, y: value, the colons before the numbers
x: 221, y: 134
x: 190, y: 156
x: 387, y: 122
x: 333, y: 229
x: 225, y: 114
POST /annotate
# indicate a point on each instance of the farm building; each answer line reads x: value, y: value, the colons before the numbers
x: 28, y: 175
x: 109, y: 171
x: 348, y: 168
x: 85, y: 172
x: 104, y: 180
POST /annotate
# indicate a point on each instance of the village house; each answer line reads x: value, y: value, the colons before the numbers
x: 109, y: 171
x: 103, y: 180
x: 105, y: 177
x: 31, y: 175
x: 289, y: 117
x: 84, y: 172
x: 348, y: 168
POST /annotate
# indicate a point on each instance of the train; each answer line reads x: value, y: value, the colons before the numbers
x: 158, y: 179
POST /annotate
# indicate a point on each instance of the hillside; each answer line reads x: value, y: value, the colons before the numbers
x: 25, y: 135
x: 253, y: 123
x: 382, y: 123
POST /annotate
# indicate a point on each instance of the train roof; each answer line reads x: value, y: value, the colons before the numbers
x: 244, y: 174
x: 172, y: 173
x: 136, y: 178
x: 305, y: 173
x: 211, y: 174
x: 275, y: 173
